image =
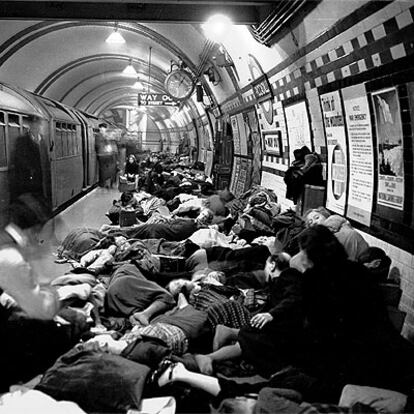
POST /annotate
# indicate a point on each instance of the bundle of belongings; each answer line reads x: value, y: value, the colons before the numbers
x: 305, y: 169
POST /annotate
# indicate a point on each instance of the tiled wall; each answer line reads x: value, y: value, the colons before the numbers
x: 402, y: 267
x: 343, y: 51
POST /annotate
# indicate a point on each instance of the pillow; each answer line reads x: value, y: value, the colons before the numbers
x: 97, y: 381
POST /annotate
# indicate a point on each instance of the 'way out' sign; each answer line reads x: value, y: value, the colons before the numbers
x: 156, y: 99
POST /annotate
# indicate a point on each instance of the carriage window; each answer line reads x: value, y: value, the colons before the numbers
x: 13, y: 130
x: 58, y: 140
x: 76, y: 140
x: 64, y: 140
x: 71, y: 140
x: 14, y: 121
x: 3, y: 153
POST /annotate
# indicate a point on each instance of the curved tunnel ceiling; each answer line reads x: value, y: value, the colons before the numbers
x: 83, y: 69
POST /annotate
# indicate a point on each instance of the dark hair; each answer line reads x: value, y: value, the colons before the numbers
x: 297, y: 153
x: 282, y: 262
x: 382, y: 269
x: 305, y: 150
x: 370, y: 254
x: 126, y: 197
x: 321, y: 246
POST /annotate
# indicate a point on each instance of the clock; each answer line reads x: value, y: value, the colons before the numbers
x: 179, y: 84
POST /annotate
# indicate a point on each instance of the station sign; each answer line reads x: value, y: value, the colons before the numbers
x: 262, y: 89
x: 156, y: 99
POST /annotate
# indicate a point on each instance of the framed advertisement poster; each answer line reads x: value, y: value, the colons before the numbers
x: 361, y: 154
x: 298, y: 130
x: 236, y: 134
x: 390, y: 148
x: 273, y: 142
x: 337, y: 167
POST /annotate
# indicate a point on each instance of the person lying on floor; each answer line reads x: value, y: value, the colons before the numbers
x: 177, y: 328
x: 354, y: 244
x: 266, y: 343
x: 288, y: 391
x: 131, y: 295
x: 348, y: 337
x: 206, y: 292
x: 177, y: 230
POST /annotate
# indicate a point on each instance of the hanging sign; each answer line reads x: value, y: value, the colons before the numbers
x: 334, y: 123
x: 361, y: 154
x: 390, y: 148
x: 156, y: 99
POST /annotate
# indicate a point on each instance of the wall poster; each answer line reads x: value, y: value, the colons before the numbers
x: 209, y: 163
x: 272, y: 141
x: 235, y: 174
x: 390, y: 148
x: 240, y: 180
x: 236, y: 135
x: 243, y: 133
x: 361, y: 154
x: 334, y: 124
x: 298, y: 130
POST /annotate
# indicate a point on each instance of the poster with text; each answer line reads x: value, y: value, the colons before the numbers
x: 297, y: 121
x: 390, y: 148
x: 243, y: 133
x: 235, y: 175
x: 334, y: 124
x: 361, y: 154
x: 236, y: 135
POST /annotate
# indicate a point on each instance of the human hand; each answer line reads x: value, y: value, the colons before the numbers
x: 260, y: 320
x: 139, y: 318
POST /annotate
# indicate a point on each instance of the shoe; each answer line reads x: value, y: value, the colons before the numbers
x: 164, y: 365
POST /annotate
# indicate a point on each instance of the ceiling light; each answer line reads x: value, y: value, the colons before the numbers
x: 130, y: 70
x: 137, y: 84
x: 217, y: 27
x: 115, y: 37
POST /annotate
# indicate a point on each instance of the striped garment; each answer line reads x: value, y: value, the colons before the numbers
x: 220, y: 309
x: 172, y: 335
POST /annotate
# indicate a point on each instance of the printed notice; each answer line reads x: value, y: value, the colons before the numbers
x: 361, y: 154
x: 334, y: 124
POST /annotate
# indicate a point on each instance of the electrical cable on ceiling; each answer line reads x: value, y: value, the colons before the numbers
x: 149, y: 68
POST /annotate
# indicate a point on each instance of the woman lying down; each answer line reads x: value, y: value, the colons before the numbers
x: 339, y: 334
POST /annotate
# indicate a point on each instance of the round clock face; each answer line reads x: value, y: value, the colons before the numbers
x: 179, y: 84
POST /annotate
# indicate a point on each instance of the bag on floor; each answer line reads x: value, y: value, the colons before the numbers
x: 124, y: 185
x: 127, y: 218
x: 97, y: 381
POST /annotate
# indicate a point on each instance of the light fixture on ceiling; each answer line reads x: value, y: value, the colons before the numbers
x: 137, y: 84
x: 130, y: 70
x: 217, y: 27
x: 115, y: 37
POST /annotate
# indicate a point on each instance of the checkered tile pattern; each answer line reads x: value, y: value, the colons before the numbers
x: 384, y: 43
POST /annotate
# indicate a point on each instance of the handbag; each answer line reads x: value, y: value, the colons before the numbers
x: 127, y: 217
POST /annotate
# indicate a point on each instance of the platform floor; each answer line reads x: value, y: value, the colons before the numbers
x: 89, y: 211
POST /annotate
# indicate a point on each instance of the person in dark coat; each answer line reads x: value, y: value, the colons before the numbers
x: 131, y: 168
x: 273, y: 334
x: 27, y: 176
x: 349, y: 337
x: 305, y: 169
